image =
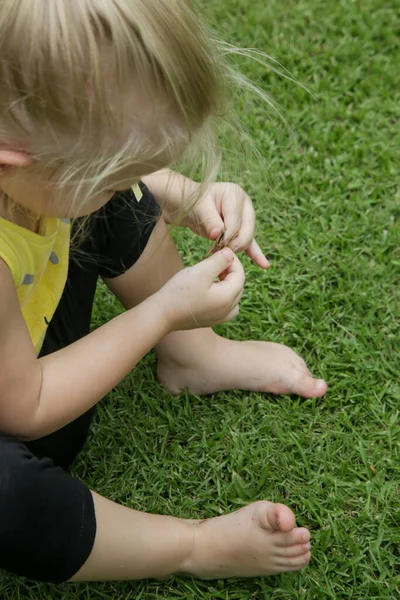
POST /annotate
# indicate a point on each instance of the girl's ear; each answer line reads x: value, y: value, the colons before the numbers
x: 14, y: 158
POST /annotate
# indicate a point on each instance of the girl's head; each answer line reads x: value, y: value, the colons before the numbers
x: 94, y: 94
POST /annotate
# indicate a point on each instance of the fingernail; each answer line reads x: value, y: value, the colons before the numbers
x: 215, y: 233
x: 227, y: 253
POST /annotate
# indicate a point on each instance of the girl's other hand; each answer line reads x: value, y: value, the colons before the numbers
x: 204, y: 295
x: 226, y: 207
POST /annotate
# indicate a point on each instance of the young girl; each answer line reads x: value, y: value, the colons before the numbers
x: 97, y: 96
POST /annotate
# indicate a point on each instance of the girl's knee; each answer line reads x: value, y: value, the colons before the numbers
x: 47, y: 520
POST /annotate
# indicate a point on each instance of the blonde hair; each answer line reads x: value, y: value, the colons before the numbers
x: 66, y: 68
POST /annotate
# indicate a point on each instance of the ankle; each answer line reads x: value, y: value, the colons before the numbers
x: 187, y: 349
x: 189, y: 563
x: 196, y: 560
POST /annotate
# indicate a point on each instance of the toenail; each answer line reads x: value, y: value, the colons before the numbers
x: 319, y: 385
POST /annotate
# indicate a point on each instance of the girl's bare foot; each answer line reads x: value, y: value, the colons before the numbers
x: 260, y: 539
x: 225, y: 364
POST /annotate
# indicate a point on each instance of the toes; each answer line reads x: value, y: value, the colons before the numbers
x: 304, y: 383
x: 276, y: 517
x: 293, y: 551
x: 300, y: 535
x: 320, y: 388
x: 308, y: 387
x: 294, y: 564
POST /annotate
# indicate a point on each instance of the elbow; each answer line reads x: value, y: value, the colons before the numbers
x: 20, y: 407
x: 23, y: 428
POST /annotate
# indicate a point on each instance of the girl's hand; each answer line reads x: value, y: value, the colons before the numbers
x: 227, y: 208
x: 195, y: 297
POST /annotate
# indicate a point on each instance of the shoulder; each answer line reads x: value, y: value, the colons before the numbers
x: 5, y: 273
x: 9, y: 257
x: 10, y: 310
x: 8, y: 291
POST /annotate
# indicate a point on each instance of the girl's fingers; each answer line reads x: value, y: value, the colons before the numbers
x: 246, y: 231
x: 207, y: 222
x: 232, y: 214
x: 233, y: 277
x: 257, y: 256
x: 238, y: 297
x: 232, y: 315
x: 218, y: 263
x: 245, y: 238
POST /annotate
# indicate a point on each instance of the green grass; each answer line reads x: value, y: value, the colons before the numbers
x: 328, y: 205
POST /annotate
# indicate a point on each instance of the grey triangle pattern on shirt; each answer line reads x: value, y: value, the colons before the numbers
x: 28, y: 280
x: 54, y: 259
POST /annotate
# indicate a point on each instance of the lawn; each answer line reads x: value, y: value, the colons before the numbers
x: 327, y: 197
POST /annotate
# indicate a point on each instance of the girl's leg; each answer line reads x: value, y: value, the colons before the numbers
x: 48, y: 523
x: 257, y: 540
x: 199, y: 359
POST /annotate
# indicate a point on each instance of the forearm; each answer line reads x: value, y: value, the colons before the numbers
x: 171, y: 190
x: 135, y: 545
x: 76, y: 378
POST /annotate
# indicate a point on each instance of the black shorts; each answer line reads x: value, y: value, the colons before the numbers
x: 47, y: 519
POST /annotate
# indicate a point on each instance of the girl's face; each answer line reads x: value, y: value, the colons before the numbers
x: 41, y: 195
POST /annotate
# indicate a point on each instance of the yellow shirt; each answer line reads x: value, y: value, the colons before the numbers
x: 39, y: 266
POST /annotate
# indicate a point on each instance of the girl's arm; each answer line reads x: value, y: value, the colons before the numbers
x: 38, y: 397
x: 169, y: 188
